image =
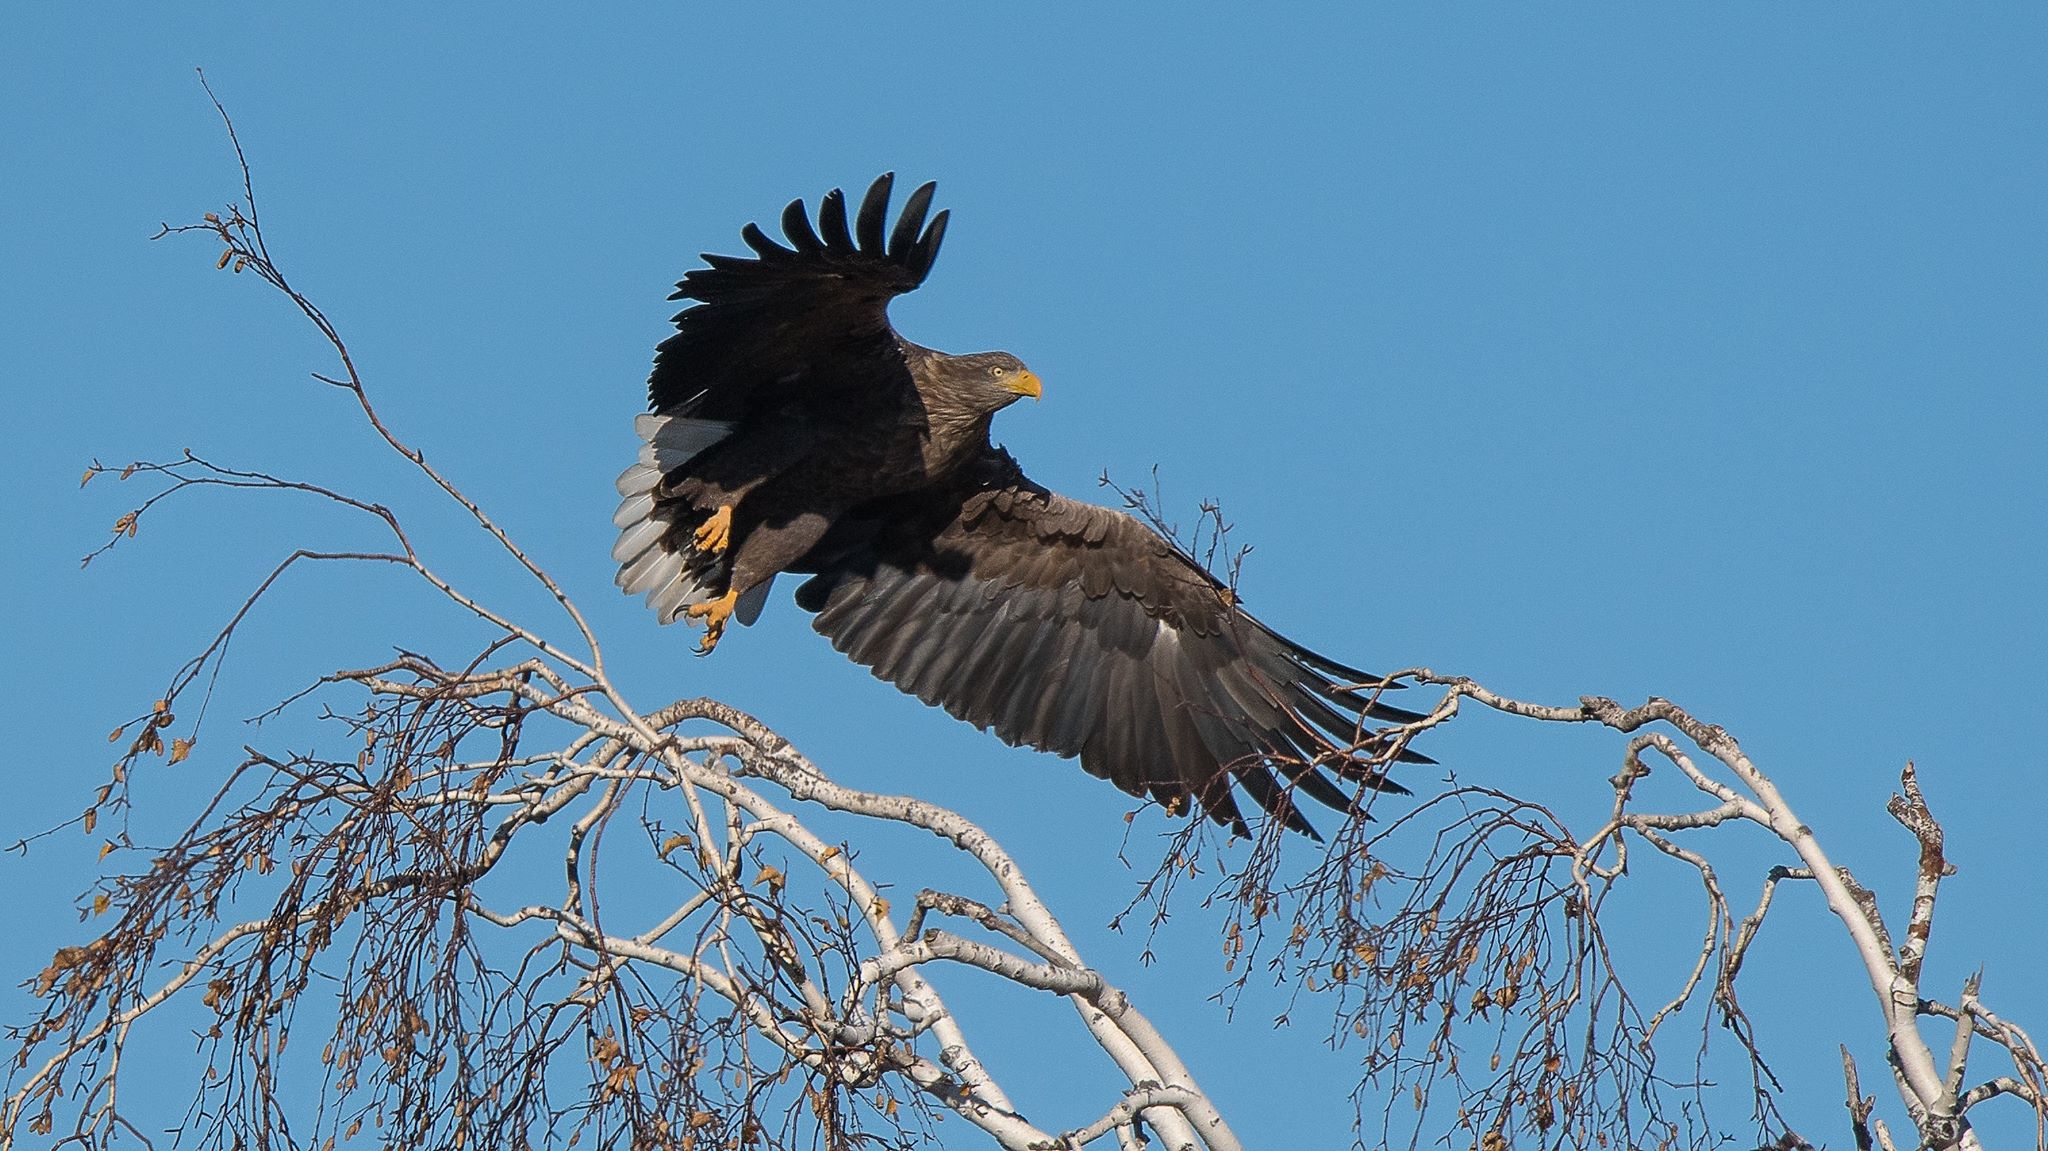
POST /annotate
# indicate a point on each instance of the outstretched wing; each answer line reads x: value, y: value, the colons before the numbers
x: 1079, y: 631
x: 790, y: 321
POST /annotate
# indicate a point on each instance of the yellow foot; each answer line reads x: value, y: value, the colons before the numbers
x: 714, y: 615
x: 715, y: 534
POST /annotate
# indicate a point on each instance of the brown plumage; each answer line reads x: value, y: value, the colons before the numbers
x: 793, y: 430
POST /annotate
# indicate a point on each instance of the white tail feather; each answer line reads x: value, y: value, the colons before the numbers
x: 638, y: 480
x: 685, y: 590
x: 638, y: 538
x: 650, y: 569
x: 633, y: 509
x: 669, y: 442
x: 672, y: 581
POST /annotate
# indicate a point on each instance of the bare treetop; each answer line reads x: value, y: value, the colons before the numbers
x: 517, y: 910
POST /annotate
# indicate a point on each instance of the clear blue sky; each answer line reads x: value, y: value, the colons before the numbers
x: 1629, y: 349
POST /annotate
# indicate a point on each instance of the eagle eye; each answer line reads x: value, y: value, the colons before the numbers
x: 995, y: 371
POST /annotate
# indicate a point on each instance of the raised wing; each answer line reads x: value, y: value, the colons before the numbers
x: 1079, y: 631
x: 791, y: 320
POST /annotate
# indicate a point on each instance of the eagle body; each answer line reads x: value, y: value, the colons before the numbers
x: 792, y: 471
x: 791, y: 429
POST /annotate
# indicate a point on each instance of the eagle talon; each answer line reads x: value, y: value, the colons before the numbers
x: 714, y: 614
x: 715, y: 534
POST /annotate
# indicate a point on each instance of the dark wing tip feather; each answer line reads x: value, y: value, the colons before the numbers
x: 1345, y: 685
x: 1212, y: 797
x: 905, y: 236
x: 796, y: 224
x: 832, y: 221
x: 764, y: 247
x: 1330, y: 667
x: 1275, y: 800
x: 928, y: 244
x: 874, y: 212
x: 1365, y: 702
x: 1316, y: 784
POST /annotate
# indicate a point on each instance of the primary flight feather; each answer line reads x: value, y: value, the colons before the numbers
x: 791, y: 429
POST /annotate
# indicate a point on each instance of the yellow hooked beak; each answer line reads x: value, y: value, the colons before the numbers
x: 1025, y: 383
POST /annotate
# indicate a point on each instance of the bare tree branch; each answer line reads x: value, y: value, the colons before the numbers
x: 701, y: 967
